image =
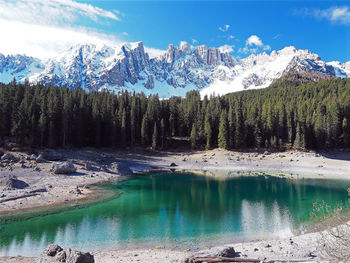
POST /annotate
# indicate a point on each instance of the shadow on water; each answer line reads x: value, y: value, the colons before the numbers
x: 169, y: 208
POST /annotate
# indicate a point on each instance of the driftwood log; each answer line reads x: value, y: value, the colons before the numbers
x: 223, y: 259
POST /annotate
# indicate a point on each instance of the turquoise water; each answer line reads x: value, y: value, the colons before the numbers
x: 178, y: 211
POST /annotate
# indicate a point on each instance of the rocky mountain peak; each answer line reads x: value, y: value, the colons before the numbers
x: 174, y: 72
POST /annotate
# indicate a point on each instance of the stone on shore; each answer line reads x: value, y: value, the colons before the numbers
x: 40, y: 159
x: 63, y: 168
x: 228, y: 252
x: 52, y: 155
x: 12, y: 182
x: 8, y: 157
x: 120, y: 168
x: 54, y: 254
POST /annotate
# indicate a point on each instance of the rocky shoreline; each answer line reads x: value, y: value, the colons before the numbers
x: 30, y: 182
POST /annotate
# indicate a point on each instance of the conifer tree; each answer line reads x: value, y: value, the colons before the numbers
x: 208, y: 130
x: 194, y: 136
x: 144, y: 130
x: 299, y: 141
x: 154, y: 137
x: 123, y: 129
x: 346, y: 133
x: 223, y: 131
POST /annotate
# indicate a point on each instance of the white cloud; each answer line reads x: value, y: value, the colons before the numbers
x: 277, y: 36
x: 334, y: 14
x: 254, y: 40
x: 53, y: 12
x: 230, y: 37
x: 225, y: 28
x: 226, y: 48
x: 154, y: 53
x: 254, y: 45
x: 194, y: 41
x: 46, y: 41
x: 125, y: 33
x: 42, y: 28
x: 341, y: 14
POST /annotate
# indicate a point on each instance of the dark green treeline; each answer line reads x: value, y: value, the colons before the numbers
x: 314, y: 116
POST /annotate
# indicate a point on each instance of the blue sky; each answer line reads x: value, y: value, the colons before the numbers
x: 242, y: 27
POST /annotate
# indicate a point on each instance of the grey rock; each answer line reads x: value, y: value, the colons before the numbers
x: 12, y: 182
x: 120, y: 168
x: 228, y: 252
x: 54, y: 254
x: 8, y: 157
x: 78, y: 257
x: 40, y: 159
x: 63, y: 168
x: 61, y: 256
x: 173, y: 164
x: 52, y: 155
x: 32, y: 157
x: 88, y: 166
x: 52, y: 249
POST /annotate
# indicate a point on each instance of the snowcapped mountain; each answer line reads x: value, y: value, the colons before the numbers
x: 174, y: 72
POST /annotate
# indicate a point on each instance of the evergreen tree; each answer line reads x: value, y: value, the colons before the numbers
x: 144, y: 130
x: 123, y: 129
x: 239, y: 131
x: 154, y: 137
x: 162, y: 127
x: 346, y: 133
x: 223, y: 131
x: 194, y: 136
x: 208, y: 130
x: 299, y: 141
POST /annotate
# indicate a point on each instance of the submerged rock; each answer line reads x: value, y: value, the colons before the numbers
x: 63, y: 168
x: 54, y: 254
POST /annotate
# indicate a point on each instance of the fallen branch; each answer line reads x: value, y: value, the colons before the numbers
x: 17, y: 197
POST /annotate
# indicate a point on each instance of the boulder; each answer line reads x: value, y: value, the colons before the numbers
x: 228, y: 252
x: 78, y: 257
x: 12, y: 182
x: 8, y: 157
x: 52, y: 155
x: 40, y: 159
x: 52, y: 249
x: 54, y: 254
x: 31, y: 157
x: 88, y: 166
x: 120, y: 168
x: 63, y: 168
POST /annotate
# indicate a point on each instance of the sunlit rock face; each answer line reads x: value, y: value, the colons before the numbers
x: 173, y: 72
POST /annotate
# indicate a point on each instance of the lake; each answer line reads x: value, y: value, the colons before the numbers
x: 178, y: 211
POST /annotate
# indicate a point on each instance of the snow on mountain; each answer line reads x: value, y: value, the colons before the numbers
x: 172, y: 72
